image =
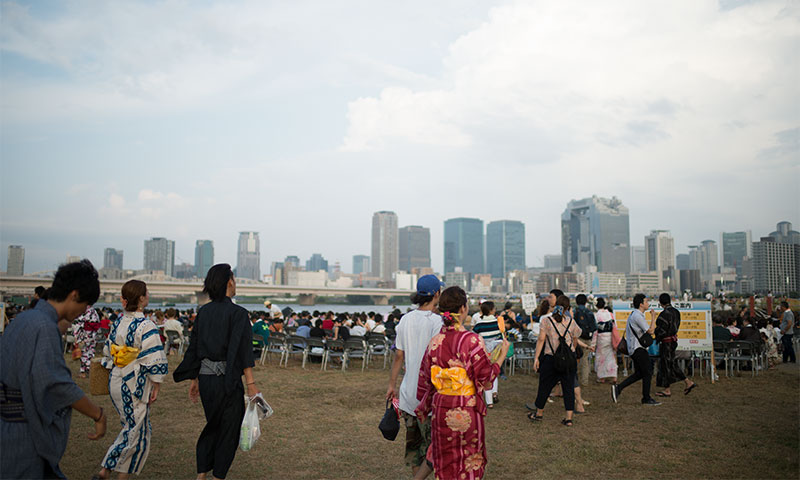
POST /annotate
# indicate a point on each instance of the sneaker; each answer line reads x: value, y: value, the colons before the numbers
x: 653, y: 402
x: 614, y: 393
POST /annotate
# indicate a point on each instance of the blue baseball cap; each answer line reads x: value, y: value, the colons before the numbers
x: 428, y: 285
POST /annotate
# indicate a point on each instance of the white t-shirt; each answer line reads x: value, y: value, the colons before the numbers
x: 380, y: 328
x: 370, y: 324
x: 358, y: 331
x: 414, y: 333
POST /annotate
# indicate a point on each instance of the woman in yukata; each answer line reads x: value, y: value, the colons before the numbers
x: 455, y: 371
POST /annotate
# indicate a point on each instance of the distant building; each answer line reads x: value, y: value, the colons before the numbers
x: 505, y: 247
x: 159, y: 255
x: 405, y: 280
x: 458, y: 278
x: 784, y: 234
x: 552, y: 263
x: 203, y: 257
x: 361, y: 264
x: 610, y: 283
x: 463, y: 245
x: 647, y: 283
x: 276, y: 272
x: 248, y: 256
x: 307, y: 279
x: 316, y: 263
x: 184, y: 271
x: 659, y: 251
x: 776, y: 266
x: 565, y: 281
x: 112, y: 258
x: 290, y: 264
x: 682, y: 261
x: 596, y: 231
x: 736, y: 247
x: 638, y: 259
x: 690, y: 280
x: 16, y: 261
x: 414, y: 247
x: 385, y: 252
x: 73, y: 259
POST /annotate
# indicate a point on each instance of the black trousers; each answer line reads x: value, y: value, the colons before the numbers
x: 642, y: 370
x: 548, y: 378
x: 219, y: 440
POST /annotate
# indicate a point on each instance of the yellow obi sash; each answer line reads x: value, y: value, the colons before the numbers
x: 452, y: 381
x: 123, y: 355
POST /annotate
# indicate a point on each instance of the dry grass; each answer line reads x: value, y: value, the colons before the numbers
x: 325, y: 427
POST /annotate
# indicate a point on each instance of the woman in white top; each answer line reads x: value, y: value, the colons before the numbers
x: 605, y: 360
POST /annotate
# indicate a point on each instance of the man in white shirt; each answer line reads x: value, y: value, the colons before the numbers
x: 274, y: 311
x: 414, y: 333
x: 643, y: 369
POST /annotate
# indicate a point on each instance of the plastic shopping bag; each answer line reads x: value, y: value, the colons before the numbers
x: 257, y: 410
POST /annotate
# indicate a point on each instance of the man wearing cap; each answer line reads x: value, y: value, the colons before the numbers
x: 274, y: 312
x: 414, y: 332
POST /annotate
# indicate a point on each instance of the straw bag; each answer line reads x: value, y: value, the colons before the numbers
x: 98, y: 378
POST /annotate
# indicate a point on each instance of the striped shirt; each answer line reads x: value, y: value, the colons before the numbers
x: 489, y: 329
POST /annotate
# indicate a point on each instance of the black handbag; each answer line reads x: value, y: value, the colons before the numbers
x: 390, y: 423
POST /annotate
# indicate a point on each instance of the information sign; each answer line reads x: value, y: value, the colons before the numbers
x: 695, y: 331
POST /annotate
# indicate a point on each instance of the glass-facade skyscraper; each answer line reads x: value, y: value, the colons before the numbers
x: 248, y: 258
x: 736, y: 246
x: 203, y: 257
x: 384, y: 245
x: 463, y: 245
x: 316, y: 263
x: 361, y: 264
x: 505, y: 247
x: 112, y: 258
x: 159, y: 254
x: 414, y: 247
x: 596, y: 231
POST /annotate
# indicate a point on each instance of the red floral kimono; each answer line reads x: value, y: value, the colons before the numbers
x: 454, y: 373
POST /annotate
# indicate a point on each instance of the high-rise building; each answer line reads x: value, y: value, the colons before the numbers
x: 736, y: 246
x: 276, y: 271
x: 248, y: 257
x: 361, y: 264
x: 316, y: 263
x: 784, y: 234
x: 638, y: 259
x: 776, y: 266
x: 184, y: 270
x: 203, y: 257
x: 463, y: 245
x: 552, y: 263
x: 709, y: 258
x: 414, y: 247
x: 16, y: 261
x: 112, y: 258
x: 596, y: 231
x: 505, y: 247
x: 159, y: 254
x: 659, y: 251
x: 385, y: 254
x: 682, y: 261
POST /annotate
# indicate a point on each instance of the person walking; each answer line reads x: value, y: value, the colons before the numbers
x: 605, y: 357
x: 220, y: 352
x: 487, y: 327
x: 134, y: 354
x: 455, y: 370
x: 85, y: 329
x: 787, y: 332
x: 414, y: 332
x: 667, y: 325
x: 36, y: 387
x: 588, y: 325
x: 636, y: 328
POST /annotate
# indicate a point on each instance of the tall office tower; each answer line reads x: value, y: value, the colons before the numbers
x: 385, y: 254
x: 203, y: 257
x: 776, y: 267
x: 463, y: 245
x: 552, y: 263
x: 291, y: 261
x: 682, y: 261
x: 159, y: 254
x: 596, y: 231
x: 505, y: 247
x: 708, y: 261
x: 248, y: 257
x: 276, y: 270
x: 316, y: 263
x: 638, y: 259
x: 784, y: 233
x: 736, y: 246
x: 112, y: 258
x: 361, y: 264
x: 659, y: 251
x: 16, y: 261
x: 414, y: 247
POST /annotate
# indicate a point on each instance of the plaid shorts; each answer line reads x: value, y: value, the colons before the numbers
x: 418, y: 438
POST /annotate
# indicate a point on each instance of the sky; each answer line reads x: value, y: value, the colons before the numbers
x: 120, y: 121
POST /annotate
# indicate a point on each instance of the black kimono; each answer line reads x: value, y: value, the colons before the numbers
x: 667, y: 325
x: 221, y: 333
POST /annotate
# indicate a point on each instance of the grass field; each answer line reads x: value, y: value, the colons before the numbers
x: 325, y: 427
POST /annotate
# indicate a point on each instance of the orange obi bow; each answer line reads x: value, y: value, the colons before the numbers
x: 123, y: 355
x: 452, y: 381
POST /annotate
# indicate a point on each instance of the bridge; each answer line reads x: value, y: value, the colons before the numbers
x: 110, y: 290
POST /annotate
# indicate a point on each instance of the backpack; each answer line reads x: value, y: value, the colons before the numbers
x: 565, y: 360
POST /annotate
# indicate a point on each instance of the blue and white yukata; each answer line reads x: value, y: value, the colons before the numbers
x: 130, y: 386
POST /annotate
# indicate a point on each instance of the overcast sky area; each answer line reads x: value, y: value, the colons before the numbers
x: 196, y: 120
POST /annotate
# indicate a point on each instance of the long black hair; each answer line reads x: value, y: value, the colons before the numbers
x: 216, y: 282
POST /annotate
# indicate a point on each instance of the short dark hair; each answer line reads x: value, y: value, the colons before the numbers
x: 39, y: 291
x: 638, y: 299
x: 556, y: 292
x: 508, y: 306
x: 664, y: 299
x: 80, y: 276
x: 487, y: 307
x: 600, y: 303
x: 451, y: 301
x: 785, y: 304
x: 318, y: 323
x: 216, y: 282
x: 581, y: 299
x: 420, y: 299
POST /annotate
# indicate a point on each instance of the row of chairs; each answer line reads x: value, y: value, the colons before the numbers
x: 345, y: 351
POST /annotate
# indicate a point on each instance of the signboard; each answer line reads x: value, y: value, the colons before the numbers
x: 695, y: 331
x: 529, y: 302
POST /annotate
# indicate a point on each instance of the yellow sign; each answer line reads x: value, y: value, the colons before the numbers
x: 694, y: 332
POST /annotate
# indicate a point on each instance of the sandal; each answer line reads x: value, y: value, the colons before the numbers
x: 662, y: 394
x: 566, y: 423
x: 495, y: 398
x: 490, y: 406
x: 535, y: 418
x: 689, y: 390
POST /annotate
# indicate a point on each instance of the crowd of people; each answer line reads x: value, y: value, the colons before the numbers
x: 452, y: 362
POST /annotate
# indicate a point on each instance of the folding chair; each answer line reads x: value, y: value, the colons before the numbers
x: 335, y: 349
x: 297, y: 345
x: 378, y: 346
x: 738, y: 352
x: 355, y: 347
x: 524, y: 351
x: 275, y: 344
x: 316, y: 348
